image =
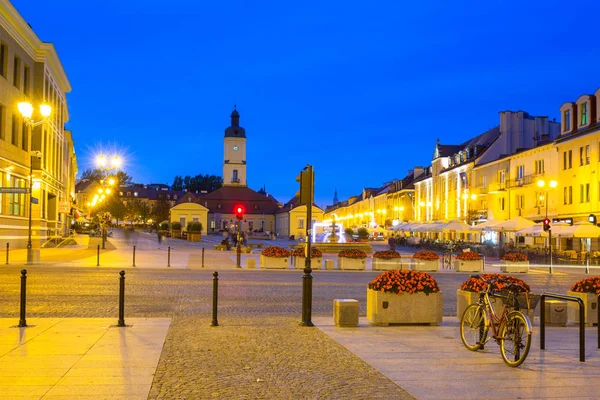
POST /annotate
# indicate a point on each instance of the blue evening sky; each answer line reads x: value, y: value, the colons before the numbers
x: 361, y: 90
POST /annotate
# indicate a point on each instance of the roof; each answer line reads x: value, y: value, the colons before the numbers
x: 223, y: 200
x: 84, y: 185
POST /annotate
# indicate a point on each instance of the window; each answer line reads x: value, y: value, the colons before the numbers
x: 16, y: 201
x: 567, y: 119
x: 15, y: 131
x: 301, y: 223
x: 3, y: 58
x: 584, y: 113
x: 540, y: 199
x: 567, y: 159
x: 568, y: 195
x: 587, y: 154
x: 584, y: 193
x: 564, y: 160
x: 26, y: 79
x: 501, y: 203
x: 501, y: 176
x: 235, y: 175
x: 24, y: 136
x: 538, y: 167
x: 2, y: 113
x: 520, y: 171
x: 581, y: 156
x: 520, y: 201
x: 182, y: 221
x: 17, y: 72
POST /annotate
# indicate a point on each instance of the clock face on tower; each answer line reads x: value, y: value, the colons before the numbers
x: 235, y: 148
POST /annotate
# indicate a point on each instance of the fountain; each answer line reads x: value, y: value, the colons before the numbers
x: 333, y: 238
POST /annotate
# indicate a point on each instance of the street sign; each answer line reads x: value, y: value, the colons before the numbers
x: 14, y: 190
x: 34, y: 200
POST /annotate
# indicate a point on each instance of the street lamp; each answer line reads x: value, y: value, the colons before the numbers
x: 105, y: 165
x: 26, y: 110
x: 550, y: 185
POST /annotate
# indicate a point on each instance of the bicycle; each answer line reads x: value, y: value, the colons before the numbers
x: 448, y: 257
x: 512, y: 330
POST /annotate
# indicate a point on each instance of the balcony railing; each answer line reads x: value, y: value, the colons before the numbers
x: 519, y: 182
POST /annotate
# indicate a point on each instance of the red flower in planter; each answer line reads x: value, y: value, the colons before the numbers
x: 314, y: 252
x: 275, y: 251
x: 352, y: 253
x: 500, y: 282
x: 426, y: 255
x: 398, y: 282
x: 468, y: 256
x: 514, y: 257
x: 386, y: 255
x: 587, y: 285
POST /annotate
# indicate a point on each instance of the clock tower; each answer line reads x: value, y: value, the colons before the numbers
x: 234, y: 153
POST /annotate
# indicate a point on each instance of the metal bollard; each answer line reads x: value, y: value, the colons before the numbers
x: 307, y: 295
x: 215, y: 298
x: 121, y: 321
x: 169, y: 257
x: 7, y: 248
x: 202, y: 257
x: 22, y: 321
x: 98, y: 262
x: 134, y: 255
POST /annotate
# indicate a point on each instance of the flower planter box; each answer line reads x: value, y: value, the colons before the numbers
x: 176, y: 234
x: 590, y: 302
x: 194, y: 236
x: 380, y: 264
x: 468, y: 266
x: 274, y: 262
x: 464, y: 299
x: 417, y: 308
x: 352, y: 263
x: 315, y: 263
x: 514, y: 266
x: 425, y: 265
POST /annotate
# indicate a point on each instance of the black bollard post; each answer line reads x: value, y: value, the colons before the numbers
x: 215, y: 298
x: 307, y: 297
x: 169, y: 257
x: 7, y: 248
x: 98, y: 262
x: 134, y: 255
x: 121, y: 299
x: 203, y: 257
x: 22, y: 321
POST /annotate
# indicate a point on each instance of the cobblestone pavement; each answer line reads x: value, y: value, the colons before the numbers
x: 258, y: 351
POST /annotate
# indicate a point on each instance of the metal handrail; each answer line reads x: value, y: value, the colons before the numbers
x: 581, y: 321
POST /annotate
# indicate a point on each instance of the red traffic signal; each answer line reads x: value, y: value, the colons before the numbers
x: 546, y: 224
x: 239, y: 211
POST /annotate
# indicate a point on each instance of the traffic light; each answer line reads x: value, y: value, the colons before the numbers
x: 239, y: 212
x: 307, y: 182
x: 546, y: 224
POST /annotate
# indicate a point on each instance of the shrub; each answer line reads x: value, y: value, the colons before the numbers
x: 352, y: 253
x: 397, y: 282
x: 587, y: 285
x: 314, y: 252
x: 363, y: 233
x: 386, y: 255
x: 514, y: 257
x: 468, y: 256
x: 275, y: 251
x: 426, y: 255
x: 176, y: 226
x: 194, y: 227
x: 349, y: 231
x: 479, y: 283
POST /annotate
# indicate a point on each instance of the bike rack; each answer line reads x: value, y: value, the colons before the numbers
x: 581, y: 321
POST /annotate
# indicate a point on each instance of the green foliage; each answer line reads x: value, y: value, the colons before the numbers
x: 160, y: 212
x: 194, y: 227
x: 137, y: 210
x: 176, y: 226
x: 197, y: 183
x: 363, y: 233
x: 349, y: 231
x: 164, y: 226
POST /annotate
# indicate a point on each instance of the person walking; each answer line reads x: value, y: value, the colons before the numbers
x: 392, y: 243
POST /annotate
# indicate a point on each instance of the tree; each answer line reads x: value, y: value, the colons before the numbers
x: 161, y: 210
x: 121, y: 178
x: 177, y: 183
x: 137, y: 209
x: 93, y: 174
x: 197, y: 183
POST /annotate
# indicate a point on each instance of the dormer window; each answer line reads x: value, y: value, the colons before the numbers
x: 583, y: 111
x: 567, y: 121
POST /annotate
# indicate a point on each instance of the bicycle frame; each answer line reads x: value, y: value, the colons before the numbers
x: 495, y: 321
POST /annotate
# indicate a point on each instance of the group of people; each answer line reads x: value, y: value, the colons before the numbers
x: 396, y: 241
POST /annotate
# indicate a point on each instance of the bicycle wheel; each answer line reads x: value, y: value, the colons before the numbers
x: 515, y: 339
x: 474, y: 327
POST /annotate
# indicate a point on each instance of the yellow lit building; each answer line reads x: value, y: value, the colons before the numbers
x: 32, y: 71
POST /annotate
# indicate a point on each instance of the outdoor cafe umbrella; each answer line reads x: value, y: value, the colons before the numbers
x: 582, y: 229
x: 456, y: 225
x: 558, y: 228
x: 512, y: 225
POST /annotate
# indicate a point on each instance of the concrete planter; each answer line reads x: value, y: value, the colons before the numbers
x: 194, y: 236
x: 417, y: 308
x: 425, y: 265
x: 352, y: 263
x: 315, y: 263
x: 510, y: 266
x: 465, y: 298
x: 274, y: 262
x: 590, y: 302
x: 468, y: 266
x: 380, y: 264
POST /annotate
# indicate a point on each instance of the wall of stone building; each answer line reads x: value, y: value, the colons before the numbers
x: 189, y: 212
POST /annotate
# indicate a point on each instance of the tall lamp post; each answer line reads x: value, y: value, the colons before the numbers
x: 26, y: 110
x: 106, y: 166
x: 548, y: 186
